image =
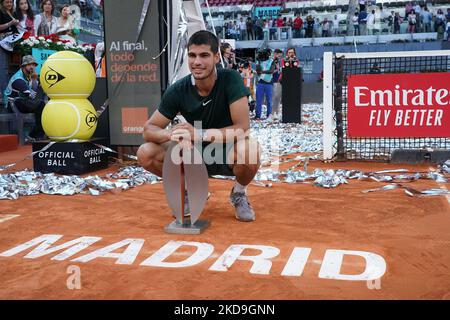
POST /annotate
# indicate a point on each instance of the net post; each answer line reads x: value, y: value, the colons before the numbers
x: 328, y: 123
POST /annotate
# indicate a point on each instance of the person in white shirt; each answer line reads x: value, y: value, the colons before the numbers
x: 412, y: 22
x: 242, y: 29
x: 417, y: 9
x: 355, y: 24
x: 24, y: 13
x: 335, y: 25
x: 371, y: 22
x: 46, y: 23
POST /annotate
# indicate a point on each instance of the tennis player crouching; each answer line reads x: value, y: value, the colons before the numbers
x: 217, y: 98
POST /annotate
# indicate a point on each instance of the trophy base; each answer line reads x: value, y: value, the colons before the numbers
x: 187, y: 228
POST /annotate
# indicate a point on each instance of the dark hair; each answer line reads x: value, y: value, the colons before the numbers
x: 44, y: 2
x: 278, y: 50
x: 224, y: 46
x: 291, y: 48
x: 2, y: 8
x: 64, y: 6
x: 204, y: 37
x: 19, y: 14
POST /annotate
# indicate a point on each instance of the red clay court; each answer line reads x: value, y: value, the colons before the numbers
x: 409, y: 233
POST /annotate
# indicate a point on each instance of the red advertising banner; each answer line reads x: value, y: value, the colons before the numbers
x: 399, y: 105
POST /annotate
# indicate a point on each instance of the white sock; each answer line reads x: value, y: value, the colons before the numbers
x: 239, y: 187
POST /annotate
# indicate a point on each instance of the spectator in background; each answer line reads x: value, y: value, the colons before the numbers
x: 265, y: 69
x: 325, y: 27
x: 362, y: 5
x: 426, y: 18
x: 233, y: 33
x: 289, y: 23
x: 439, y: 22
x: 24, y: 13
x: 412, y: 22
x: 371, y: 22
x: 355, y: 22
x: 242, y: 29
x: 100, y: 60
x: 335, y: 25
x: 362, y: 21
x: 228, y: 57
x: 276, y: 99
x: 418, y: 20
x: 447, y: 16
x: 258, y: 28
x: 208, y: 27
x: 297, y: 26
x: 391, y: 22
x: 280, y: 22
x: 447, y: 29
x: 8, y: 26
x: 317, y: 28
x: 46, y: 23
x: 408, y: 9
x: 309, y: 26
x: 397, y: 22
x: 66, y: 24
x: 417, y: 9
x: 247, y: 74
x: 249, y: 26
x: 273, y: 29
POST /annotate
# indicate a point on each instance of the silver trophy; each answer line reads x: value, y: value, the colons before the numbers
x: 181, y: 173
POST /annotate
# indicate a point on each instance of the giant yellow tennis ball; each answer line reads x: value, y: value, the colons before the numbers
x: 69, y: 119
x: 67, y: 75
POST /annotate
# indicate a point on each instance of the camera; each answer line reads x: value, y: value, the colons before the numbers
x: 263, y: 54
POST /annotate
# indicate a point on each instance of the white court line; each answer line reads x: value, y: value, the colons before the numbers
x: 6, y: 217
x: 441, y: 185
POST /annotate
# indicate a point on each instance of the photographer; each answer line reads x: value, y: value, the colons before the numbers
x: 24, y: 89
x: 265, y: 68
x: 277, y: 57
x: 228, y: 56
x: 247, y: 74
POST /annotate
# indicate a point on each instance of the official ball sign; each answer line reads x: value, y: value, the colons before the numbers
x: 399, y: 105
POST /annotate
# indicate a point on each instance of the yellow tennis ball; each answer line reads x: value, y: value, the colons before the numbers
x: 69, y: 119
x: 67, y: 75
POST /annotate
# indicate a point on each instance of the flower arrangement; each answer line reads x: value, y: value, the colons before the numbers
x: 51, y: 42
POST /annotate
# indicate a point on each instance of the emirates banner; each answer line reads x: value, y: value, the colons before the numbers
x: 399, y: 105
x: 132, y: 43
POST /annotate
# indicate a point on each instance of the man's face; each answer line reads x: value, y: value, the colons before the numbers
x: 278, y: 55
x: 29, y: 68
x: 291, y: 53
x: 202, y: 61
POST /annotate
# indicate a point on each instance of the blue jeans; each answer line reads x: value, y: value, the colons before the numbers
x: 262, y: 90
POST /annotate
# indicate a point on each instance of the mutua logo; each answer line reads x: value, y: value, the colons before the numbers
x: 52, y: 77
x: 91, y: 119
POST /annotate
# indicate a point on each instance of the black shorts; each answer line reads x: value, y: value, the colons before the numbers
x: 215, y: 157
